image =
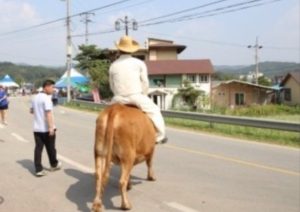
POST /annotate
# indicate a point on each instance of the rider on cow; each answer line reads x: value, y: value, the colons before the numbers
x: 129, y: 83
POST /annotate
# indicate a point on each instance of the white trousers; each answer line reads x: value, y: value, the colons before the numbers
x: 149, y: 107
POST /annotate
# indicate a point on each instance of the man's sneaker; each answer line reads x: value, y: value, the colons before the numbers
x: 41, y: 173
x: 163, y: 141
x: 57, y: 167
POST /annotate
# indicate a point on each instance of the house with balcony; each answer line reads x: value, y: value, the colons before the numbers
x: 166, y: 76
x: 167, y: 73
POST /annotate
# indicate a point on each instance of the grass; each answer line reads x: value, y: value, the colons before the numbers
x: 250, y: 133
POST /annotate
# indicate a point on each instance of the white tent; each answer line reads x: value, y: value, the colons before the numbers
x: 8, y: 82
x: 76, y: 79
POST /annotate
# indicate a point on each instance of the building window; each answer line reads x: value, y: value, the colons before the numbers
x: 239, y: 99
x: 287, y: 94
x: 191, y: 78
x: 203, y: 78
x: 159, y: 82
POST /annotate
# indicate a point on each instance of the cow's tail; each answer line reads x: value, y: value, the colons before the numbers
x: 103, y: 154
x: 109, y: 135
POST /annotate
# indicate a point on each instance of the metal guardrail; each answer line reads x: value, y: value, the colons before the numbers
x: 241, y: 121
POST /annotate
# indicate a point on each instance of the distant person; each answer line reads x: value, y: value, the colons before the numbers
x: 3, y: 104
x: 128, y: 79
x: 44, y: 128
x: 55, y: 97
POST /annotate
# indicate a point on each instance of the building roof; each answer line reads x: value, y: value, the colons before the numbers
x: 179, y: 48
x: 168, y: 67
x: 151, y: 40
x: 295, y: 75
x: 244, y: 83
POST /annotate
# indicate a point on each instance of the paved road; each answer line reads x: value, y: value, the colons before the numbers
x: 195, y: 172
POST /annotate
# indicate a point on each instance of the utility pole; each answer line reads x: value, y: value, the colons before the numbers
x: 126, y: 22
x: 86, y: 20
x: 256, y: 48
x: 68, y: 50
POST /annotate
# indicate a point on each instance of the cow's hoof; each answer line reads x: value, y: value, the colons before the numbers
x: 126, y: 206
x: 96, y: 207
x: 151, y: 178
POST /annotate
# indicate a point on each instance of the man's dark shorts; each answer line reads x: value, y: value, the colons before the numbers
x: 5, y: 107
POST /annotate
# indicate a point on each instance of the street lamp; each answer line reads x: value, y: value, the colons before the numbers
x: 127, y: 23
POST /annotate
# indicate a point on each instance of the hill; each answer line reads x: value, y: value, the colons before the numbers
x: 36, y: 74
x: 29, y: 74
x: 270, y: 69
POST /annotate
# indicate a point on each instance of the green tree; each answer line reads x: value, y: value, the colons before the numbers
x: 187, y: 95
x: 96, y: 61
x: 262, y: 80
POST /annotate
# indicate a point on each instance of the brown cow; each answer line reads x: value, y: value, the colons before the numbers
x: 126, y: 137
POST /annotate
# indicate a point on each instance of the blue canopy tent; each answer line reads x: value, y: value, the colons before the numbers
x: 8, y: 82
x: 76, y: 79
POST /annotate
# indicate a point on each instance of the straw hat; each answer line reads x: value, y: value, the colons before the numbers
x: 127, y: 44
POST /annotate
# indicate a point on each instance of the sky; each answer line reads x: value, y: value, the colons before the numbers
x: 222, y: 38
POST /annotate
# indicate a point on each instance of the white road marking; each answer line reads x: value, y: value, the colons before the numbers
x: 175, y: 205
x: 62, y: 112
x: 179, y: 207
x: 75, y: 164
x: 20, y: 138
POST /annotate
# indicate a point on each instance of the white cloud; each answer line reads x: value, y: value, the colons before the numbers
x: 16, y: 14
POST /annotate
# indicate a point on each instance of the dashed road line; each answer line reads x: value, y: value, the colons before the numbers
x: 20, y: 138
x: 75, y: 164
x: 179, y: 207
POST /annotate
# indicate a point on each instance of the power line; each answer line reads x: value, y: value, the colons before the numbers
x: 96, y: 33
x: 190, y: 17
x: 223, y: 10
x: 183, y: 11
x: 221, y: 43
x: 64, y: 18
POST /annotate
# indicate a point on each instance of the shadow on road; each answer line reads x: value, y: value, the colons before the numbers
x: 82, y: 192
x: 27, y: 164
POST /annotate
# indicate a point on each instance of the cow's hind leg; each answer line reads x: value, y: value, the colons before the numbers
x: 99, y: 169
x: 129, y: 186
x: 150, y: 175
x: 126, y: 167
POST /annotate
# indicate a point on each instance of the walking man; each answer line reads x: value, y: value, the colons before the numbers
x: 44, y: 129
x: 128, y: 79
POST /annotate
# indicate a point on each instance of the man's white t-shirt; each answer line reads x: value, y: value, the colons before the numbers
x: 41, y: 103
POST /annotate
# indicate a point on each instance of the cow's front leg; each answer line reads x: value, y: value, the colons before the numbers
x: 150, y: 175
